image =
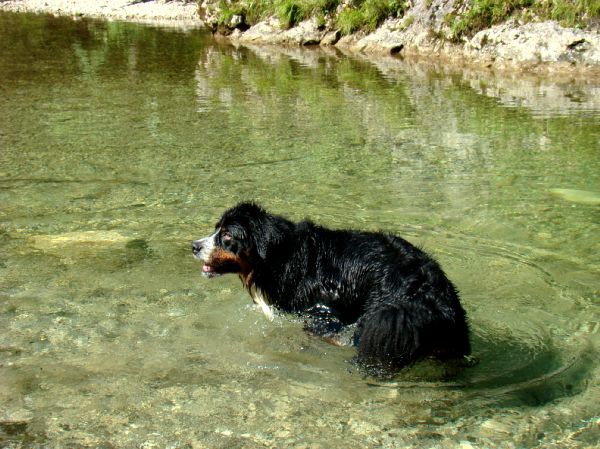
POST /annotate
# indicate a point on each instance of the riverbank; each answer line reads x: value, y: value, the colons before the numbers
x: 508, y: 37
x: 422, y: 32
x: 544, y: 48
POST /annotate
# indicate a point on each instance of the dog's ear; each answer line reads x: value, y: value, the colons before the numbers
x: 269, y: 236
x: 262, y: 248
x: 267, y: 239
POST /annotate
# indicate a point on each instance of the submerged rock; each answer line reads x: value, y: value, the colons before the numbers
x: 51, y: 241
x: 577, y: 196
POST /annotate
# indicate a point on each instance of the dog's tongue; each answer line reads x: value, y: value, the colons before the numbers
x: 207, y: 269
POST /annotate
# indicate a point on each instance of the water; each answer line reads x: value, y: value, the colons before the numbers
x: 119, y: 144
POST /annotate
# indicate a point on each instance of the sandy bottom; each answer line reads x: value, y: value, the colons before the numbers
x: 176, y: 12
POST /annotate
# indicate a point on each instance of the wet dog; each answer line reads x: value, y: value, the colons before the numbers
x: 394, y: 297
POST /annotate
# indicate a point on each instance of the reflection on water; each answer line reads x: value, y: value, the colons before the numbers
x: 121, y: 143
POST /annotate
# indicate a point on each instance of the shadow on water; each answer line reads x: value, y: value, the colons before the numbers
x: 510, y: 372
x: 502, y: 372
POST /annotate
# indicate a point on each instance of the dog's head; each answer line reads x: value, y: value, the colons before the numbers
x: 238, y: 244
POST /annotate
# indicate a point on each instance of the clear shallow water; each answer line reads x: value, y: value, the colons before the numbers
x: 121, y: 143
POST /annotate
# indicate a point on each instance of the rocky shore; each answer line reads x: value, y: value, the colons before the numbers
x: 422, y: 32
x: 539, y: 47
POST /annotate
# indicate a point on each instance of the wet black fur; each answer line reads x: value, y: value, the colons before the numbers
x: 402, y: 304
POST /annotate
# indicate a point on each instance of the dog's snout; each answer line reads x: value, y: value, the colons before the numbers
x: 196, y: 246
x: 203, y: 248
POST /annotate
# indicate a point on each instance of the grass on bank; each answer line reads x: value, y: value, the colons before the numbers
x: 289, y: 12
x: 367, y: 15
x: 358, y: 15
x: 485, y: 13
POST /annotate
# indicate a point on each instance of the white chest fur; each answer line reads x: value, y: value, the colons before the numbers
x: 259, y: 298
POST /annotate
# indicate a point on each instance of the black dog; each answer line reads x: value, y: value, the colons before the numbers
x: 398, y: 299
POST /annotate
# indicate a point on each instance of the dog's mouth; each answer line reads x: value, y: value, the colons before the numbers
x: 209, y: 271
x: 218, y: 268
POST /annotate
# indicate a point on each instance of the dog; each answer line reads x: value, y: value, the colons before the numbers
x: 395, y: 299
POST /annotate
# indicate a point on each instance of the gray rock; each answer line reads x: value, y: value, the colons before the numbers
x: 536, y: 43
x: 271, y: 32
x: 331, y: 38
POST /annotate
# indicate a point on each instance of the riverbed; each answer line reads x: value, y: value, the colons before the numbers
x: 120, y: 143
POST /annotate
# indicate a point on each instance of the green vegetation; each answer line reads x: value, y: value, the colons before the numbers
x: 359, y: 15
x: 349, y: 21
x: 289, y: 12
x: 408, y: 21
x: 485, y: 13
x: 572, y: 12
x: 367, y: 15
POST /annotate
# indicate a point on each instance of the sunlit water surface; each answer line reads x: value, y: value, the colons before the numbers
x: 119, y: 144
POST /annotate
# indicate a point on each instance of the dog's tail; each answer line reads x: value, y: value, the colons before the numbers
x: 394, y: 335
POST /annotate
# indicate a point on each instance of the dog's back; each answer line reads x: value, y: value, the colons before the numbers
x: 404, y: 305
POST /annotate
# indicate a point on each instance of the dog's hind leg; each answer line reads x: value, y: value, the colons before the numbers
x: 392, y: 336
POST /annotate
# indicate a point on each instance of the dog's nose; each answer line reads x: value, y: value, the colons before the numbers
x: 196, y: 246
